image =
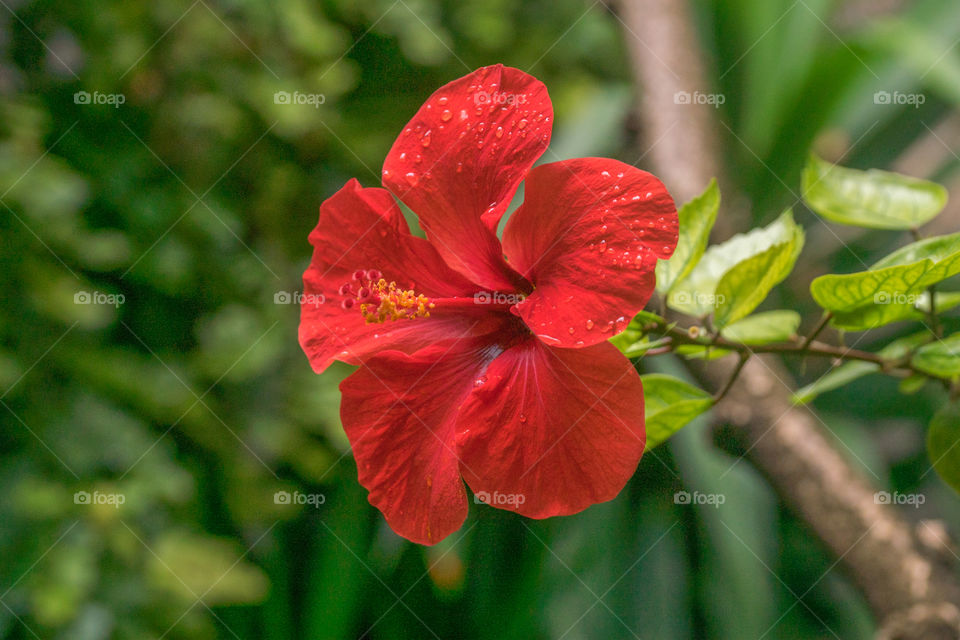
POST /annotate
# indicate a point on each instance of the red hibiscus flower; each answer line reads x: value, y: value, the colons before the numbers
x: 486, y: 361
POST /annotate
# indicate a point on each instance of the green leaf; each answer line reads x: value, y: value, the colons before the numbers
x: 697, y: 352
x: 670, y: 404
x: 834, y: 379
x: 874, y: 199
x: 940, y: 358
x: 763, y: 328
x: 632, y: 341
x: 897, y: 279
x: 945, y: 301
x: 943, y: 444
x: 849, y: 371
x: 912, y: 384
x: 743, y: 288
x: 775, y: 247
x: 696, y: 221
x: 640, y: 347
x: 872, y: 316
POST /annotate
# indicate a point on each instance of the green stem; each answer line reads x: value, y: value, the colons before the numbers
x: 799, y: 346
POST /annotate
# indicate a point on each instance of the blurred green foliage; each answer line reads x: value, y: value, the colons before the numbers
x: 186, y: 393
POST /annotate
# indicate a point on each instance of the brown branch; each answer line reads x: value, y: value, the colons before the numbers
x: 907, y: 578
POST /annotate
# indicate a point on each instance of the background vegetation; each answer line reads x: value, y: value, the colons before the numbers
x: 191, y: 203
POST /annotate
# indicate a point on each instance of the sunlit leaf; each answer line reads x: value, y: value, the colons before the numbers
x: 763, y: 328
x: 939, y: 358
x: 898, y: 279
x: 874, y: 199
x: 745, y: 286
x: 872, y: 316
x: 670, y: 404
x: 775, y: 246
x: 696, y: 221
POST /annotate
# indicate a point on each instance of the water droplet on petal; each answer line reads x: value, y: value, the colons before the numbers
x: 499, y: 133
x: 479, y: 382
x: 446, y: 115
x: 521, y: 124
x: 425, y: 140
x: 523, y: 418
x: 572, y: 330
x: 442, y: 100
x: 411, y: 178
x: 589, y: 324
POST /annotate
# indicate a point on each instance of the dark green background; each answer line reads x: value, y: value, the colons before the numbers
x: 192, y: 399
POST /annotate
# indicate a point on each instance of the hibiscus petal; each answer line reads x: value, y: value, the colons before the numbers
x: 588, y: 236
x: 399, y: 412
x: 460, y: 159
x: 363, y: 229
x: 552, y: 431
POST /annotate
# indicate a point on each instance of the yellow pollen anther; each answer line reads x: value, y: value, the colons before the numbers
x: 389, y: 302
